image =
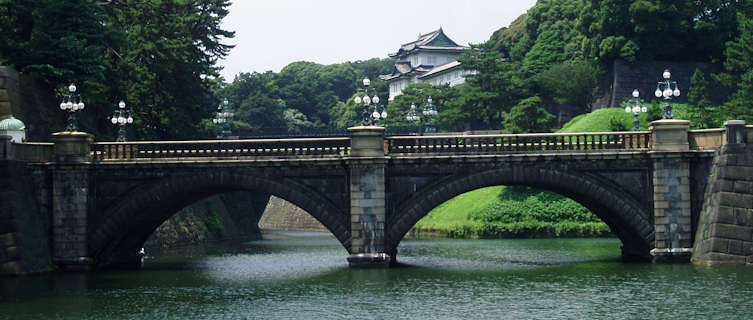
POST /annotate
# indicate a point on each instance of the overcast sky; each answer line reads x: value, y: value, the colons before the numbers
x: 269, y: 34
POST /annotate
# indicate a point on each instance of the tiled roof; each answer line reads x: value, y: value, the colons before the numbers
x: 438, y: 69
x: 425, y: 42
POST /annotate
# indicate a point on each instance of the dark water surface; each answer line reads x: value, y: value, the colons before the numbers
x: 305, y: 276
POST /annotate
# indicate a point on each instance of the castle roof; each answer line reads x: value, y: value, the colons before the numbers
x: 432, y: 41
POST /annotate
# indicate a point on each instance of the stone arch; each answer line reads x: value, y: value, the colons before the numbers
x: 624, y: 216
x: 126, y: 226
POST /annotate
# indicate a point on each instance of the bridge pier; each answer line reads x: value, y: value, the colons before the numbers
x: 367, y: 198
x: 671, y: 180
x: 70, y: 197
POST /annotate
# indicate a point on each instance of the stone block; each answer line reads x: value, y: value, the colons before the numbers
x: 724, y: 214
x: 735, y: 247
x: 719, y: 245
x: 730, y: 231
x: 743, y: 187
x: 743, y: 217
x: 726, y: 185
x: 735, y: 200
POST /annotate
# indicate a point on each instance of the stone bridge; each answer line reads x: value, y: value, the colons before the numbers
x: 105, y: 199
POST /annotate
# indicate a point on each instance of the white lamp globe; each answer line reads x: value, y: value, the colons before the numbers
x: 121, y: 104
x: 429, y: 100
x: 412, y: 106
x: 81, y: 105
x: 636, y: 94
x: 657, y: 93
x: 63, y: 106
x: 627, y: 109
x: 375, y: 115
x: 366, y: 82
x: 384, y: 114
x: 130, y: 119
x: 225, y: 102
x: 644, y: 109
x: 636, y: 109
x: 366, y: 100
x: 375, y: 99
x: 666, y: 74
x: 676, y: 92
x: 114, y: 120
x: 213, y: 121
x: 69, y: 105
x: 667, y: 93
x: 72, y: 88
x: 357, y: 100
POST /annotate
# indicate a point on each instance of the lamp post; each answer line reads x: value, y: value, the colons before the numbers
x: 221, y: 120
x: 665, y: 89
x: 635, y: 105
x: 372, y: 110
x: 71, y: 103
x: 413, y: 117
x: 430, y: 111
x: 121, y: 117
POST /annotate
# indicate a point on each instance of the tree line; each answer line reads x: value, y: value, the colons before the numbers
x: 161, y: 58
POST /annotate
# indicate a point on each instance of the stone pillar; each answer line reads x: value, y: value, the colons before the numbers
x: 725, y: 228
x: 70, y: 195
x: 671, y: 181
x: 735, y: 131
x: 367, y: 198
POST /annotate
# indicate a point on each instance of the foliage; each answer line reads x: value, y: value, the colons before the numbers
x: 504, y: 211
x: 158, y: 56
x: 617, y: 124
x: 528, y: 116
x: 703, y: 114
x: 494, y: 88
x: 571, y: 82
x: 738, y: 64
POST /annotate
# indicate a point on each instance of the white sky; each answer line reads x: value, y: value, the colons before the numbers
x: 269, y: 34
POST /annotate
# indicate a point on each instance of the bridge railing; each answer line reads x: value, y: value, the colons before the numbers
x: 706, y: 139
x: 633, y: 140
x: 29, y: 151
x: 319, y: 147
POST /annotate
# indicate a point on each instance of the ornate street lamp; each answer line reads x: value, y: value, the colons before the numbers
x: 71, y: 103
x: 635, y: 105
x: 665, y: 89
x: 430, y: 111
x: 413, y: 117
x: 121, y: 117
x: 221, y: 120
x: 372, y: 110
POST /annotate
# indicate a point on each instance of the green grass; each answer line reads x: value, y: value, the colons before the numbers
x: 508, y: 212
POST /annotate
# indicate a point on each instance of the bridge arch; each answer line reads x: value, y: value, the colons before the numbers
x: 624, y: 215
x: 126, y: 226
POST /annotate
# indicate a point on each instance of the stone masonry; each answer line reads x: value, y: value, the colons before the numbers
x: 725, y: 230
x: 70, y: 196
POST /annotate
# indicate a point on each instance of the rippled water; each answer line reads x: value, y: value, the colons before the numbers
x: 305, y: 276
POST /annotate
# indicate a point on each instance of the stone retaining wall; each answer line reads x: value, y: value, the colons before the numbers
x: 725, y: 230
x: 282, y: 215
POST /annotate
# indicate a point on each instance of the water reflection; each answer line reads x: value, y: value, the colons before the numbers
x: 305, y: 275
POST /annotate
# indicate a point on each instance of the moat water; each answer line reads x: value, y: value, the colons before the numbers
x: 305, y: 276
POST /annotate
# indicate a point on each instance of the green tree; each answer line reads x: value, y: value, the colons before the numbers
x: 571, y: 82
x: 495, y: 86
x: 701, y: 111
x: 528, y: 116
x: 738, y: 64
